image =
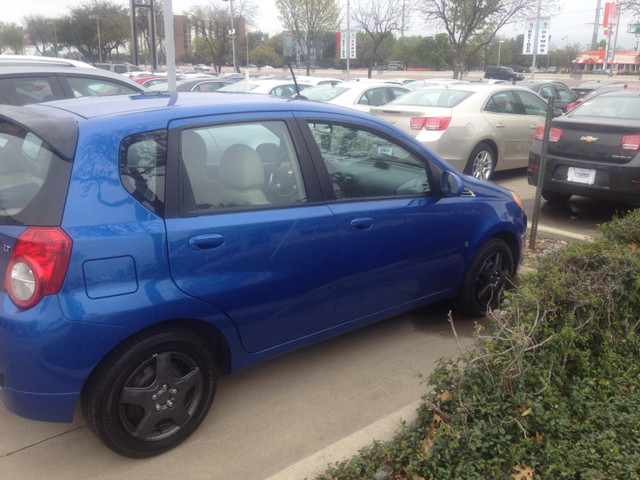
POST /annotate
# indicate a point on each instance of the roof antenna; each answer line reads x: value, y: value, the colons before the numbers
x: 295, y: 82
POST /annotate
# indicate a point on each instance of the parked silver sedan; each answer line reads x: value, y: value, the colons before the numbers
x: 477, y: 128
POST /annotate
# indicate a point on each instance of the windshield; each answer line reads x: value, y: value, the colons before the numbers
x: 433, y: 97
x: 33, y: 179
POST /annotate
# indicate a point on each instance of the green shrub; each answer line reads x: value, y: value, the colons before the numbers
x: 552, y: 387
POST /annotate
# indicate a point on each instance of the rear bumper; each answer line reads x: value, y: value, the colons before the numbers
x: 619, y: 183
x: 45, y: 358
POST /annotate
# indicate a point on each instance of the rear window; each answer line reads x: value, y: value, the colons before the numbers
x: 324, y: 94
x: 610, y: 107
x: 434, y: 97
x: 33, y: 179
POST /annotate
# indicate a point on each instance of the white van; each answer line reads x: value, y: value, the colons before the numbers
x: 119, y: 67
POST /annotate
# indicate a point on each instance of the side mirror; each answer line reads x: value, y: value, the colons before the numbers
x: 557, y: 112
x: 451, y: 184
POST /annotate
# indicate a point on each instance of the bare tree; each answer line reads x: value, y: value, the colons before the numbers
x: 307, y: 19
x: 473, y: 24
x: 379, y: 19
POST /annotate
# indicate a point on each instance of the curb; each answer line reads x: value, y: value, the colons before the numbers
x: 344, y: 449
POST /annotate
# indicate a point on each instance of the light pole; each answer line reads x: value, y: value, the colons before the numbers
x: 55, y: 36
x: 499, y: 50
x: 232, y: 32
x: 97, y: 19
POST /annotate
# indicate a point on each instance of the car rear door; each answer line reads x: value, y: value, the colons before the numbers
x: 510, y: 128
x: 258, y: 246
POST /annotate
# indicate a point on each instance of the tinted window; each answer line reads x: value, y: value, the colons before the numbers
x: 565, y: 94
x: 92, y: 87
x: 142, y: 168
x: 33, y: 179
x: 363, y: 164
x: 240, y: 165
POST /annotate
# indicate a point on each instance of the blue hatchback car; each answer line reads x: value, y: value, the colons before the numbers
x: 153, y: 243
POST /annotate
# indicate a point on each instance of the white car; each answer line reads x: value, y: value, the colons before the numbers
x: 285, y: 88
x: 360, y: 95
x: 40, y: 61
x: 477, y: 128
x: 433, y: 82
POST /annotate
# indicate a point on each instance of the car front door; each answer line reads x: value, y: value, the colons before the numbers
x: 250, y: 237
x: 400, y: 240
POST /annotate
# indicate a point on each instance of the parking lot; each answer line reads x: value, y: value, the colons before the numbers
x: 280, y: 419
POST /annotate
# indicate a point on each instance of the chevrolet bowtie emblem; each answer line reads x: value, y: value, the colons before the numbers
x: 589, y: 139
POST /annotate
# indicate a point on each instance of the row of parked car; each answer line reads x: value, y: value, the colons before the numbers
x: 153, y: 242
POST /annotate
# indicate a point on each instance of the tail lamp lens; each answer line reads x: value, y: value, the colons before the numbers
x: 631, y: 142
x: 430, y: 123
x: 554, y: 134
x: 38, y: 265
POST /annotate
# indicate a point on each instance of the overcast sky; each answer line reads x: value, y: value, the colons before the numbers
x: 575, y: 21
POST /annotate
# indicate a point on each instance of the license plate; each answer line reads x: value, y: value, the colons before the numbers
x: 581, y: 175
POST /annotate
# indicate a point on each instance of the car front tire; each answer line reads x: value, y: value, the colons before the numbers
x: 488, y: 276
x: 151, y: 392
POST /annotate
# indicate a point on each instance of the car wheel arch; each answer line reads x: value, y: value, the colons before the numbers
x: 489, y: 144
x: 211, y: 334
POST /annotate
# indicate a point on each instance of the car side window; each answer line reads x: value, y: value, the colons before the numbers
x: 23, y: 91
x: 547, y: 92
x: 361, y: 163
x: 565, y: 94
x: 532, y: 104
x: 375, y: 97
x: 501, y: 102
x: 97, y: 87
x: 398, y: 92
x: 240, y: 165
x: 142, y: 162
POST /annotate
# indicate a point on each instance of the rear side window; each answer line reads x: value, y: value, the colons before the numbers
x: 502, y: 102
x: 143, y: 159
x: 23, y: 91
x: 33, y: 179
x: 97, y: 87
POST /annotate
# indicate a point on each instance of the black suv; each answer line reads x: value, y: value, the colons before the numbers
x: 503, y: 73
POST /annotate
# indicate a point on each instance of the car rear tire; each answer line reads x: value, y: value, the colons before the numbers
x: 555, y: 197
x: 151, y: 392
x: 482, y: 162
x: 488, y: 275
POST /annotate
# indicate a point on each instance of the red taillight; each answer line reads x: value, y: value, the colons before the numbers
x: 554, y: 134
x: 38, y: 265
x: 631, y: 142
x: 572, y: 105
x: 430, y: 123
